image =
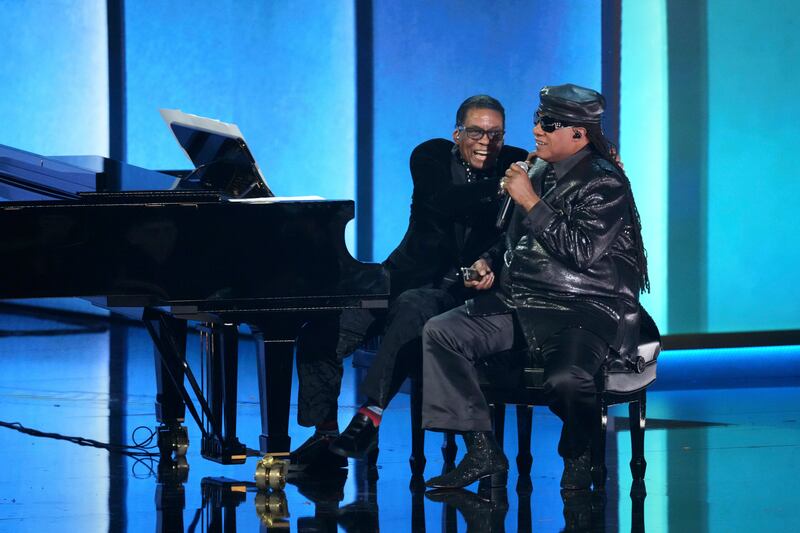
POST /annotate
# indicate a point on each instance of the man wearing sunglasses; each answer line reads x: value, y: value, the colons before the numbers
x: 570, y: 269
x: 453, y: 212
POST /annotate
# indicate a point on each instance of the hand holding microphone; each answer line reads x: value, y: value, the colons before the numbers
x: 516, y: 187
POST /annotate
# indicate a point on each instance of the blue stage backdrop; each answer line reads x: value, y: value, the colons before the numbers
x: 54, y: 82
x: 644, y: 105
x: 706, y: 117
x: 714, y: 189
x: 283, y: 71
x: 430, y: 56
x: 753, y: 178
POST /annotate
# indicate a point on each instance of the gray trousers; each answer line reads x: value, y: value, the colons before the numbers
x: 454, y: 343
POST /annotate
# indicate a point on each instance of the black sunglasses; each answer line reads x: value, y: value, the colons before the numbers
x: 549, y: 124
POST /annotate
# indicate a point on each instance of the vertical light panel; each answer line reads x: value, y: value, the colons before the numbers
x: 430, y: 56
x: 687, y: 36
x: 54, y: 101
x: 644, y: 115
x: 753, y: 179
x: 54, y: 80
x: 283, y: 71
x: 54, y: 83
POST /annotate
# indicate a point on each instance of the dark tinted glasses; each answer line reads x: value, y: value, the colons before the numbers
x: 549, y: 124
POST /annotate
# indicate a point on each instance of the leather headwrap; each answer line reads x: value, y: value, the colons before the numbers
x: 571, y: 103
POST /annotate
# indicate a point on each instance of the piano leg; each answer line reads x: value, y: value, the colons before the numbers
x: 221, y: 351
x: 169, y: 333
x: 275, y: 360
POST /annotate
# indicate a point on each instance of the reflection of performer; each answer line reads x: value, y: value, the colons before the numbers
x: 480, y: 514
x: 453, y: 211
x: 326, y: 492
x: 571, y: 268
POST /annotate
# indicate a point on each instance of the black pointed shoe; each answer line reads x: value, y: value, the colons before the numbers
x: 577, y: 473
x: 483, y: 458
x: 315, y: 454
x: 358, y: 439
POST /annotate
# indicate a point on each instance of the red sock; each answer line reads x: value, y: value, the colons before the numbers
x: 372, y: 415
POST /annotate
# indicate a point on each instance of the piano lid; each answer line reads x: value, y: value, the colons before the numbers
x: 25, y: 175
x: 222, y: 159
x: 28, y: 176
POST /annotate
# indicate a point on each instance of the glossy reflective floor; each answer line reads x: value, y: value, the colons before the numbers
x: 719, y: 459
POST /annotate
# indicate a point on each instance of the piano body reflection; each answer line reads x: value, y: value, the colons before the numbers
x: 210, y: 246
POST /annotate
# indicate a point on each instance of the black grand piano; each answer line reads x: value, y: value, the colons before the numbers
x: 211, y: 245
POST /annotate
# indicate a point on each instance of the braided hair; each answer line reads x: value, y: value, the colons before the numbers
x: 607, y: 151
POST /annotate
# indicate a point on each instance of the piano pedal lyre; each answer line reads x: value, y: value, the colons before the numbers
x: 172, y: 440
x: 271, y: 471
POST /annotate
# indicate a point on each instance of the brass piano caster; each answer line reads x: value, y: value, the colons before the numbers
x: 173, y: 440
x: 271, y: 473
x: 272, y: 509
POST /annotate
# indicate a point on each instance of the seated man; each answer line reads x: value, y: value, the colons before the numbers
x: 571, y: 267
x: 453, y: 214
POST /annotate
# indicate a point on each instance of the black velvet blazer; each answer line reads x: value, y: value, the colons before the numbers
x: 452, y: 222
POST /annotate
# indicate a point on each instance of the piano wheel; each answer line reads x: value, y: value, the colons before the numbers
x: 272, y: 508
x: 173, y: 440
x: 271, y: 473
x: 173, y: 471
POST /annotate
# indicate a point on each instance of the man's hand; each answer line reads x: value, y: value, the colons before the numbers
x: 487, y: 276
x: 517, y: 184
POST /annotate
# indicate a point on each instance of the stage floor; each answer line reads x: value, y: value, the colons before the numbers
x: 719, y: 459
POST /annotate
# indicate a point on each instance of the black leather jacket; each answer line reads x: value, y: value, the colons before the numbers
x: 574, y: 249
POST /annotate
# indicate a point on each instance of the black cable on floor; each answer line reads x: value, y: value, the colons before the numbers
x: 137, y: 450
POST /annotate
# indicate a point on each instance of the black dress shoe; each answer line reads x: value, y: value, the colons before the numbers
x: 577, y: 473
x: 358, y: 439
x: 483, y: 458
x: 315, y: 454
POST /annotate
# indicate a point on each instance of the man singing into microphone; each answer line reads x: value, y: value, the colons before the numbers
x: 453, y: 213
x: 570, y: 269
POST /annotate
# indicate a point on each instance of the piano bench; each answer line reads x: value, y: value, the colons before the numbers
x: 615, y: 385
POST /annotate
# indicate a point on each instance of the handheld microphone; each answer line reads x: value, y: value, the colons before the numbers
x: 504, y: 214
